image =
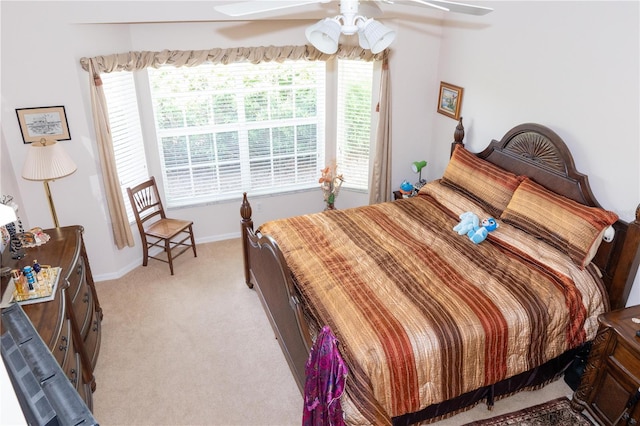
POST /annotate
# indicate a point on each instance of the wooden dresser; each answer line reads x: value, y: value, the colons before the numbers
x: 609, y: 387
x: 70, y: 324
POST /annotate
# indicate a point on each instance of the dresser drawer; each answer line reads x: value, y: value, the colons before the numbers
x: 626, y: 359
x: 77, y: 279
x: 74, y: 373
x: 92, y: 339
x: 63, y: 346
x: 83, y: 309
x: 73, y: 369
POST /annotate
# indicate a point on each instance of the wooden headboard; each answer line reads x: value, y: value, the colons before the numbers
x: 538, y: 152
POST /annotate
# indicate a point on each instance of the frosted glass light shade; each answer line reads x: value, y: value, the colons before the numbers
x: 47, y: 160
x: 324, y: 35
x: 375, y: 36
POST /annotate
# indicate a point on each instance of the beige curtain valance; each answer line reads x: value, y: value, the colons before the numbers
x: 133, y: 61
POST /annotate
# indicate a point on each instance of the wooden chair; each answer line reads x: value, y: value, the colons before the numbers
x: 156, y: 230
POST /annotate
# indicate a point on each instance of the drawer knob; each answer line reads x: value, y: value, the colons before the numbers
x: 74, y: 376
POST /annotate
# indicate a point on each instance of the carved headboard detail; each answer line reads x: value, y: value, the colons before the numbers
x: 538, y: 149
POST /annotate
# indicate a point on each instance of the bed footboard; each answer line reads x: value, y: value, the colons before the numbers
x: 267, y: 272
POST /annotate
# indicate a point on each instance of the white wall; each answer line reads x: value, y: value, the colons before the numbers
x: 572, y: 66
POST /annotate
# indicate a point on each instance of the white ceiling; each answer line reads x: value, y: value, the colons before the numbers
x: 154, y: 11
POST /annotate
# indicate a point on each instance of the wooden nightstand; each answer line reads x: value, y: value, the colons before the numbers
x: 609, y: 386
x: 398, y: 195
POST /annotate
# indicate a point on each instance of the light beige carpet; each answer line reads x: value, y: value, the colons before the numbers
x: 197, y: 349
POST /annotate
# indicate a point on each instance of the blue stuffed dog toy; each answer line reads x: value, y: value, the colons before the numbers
x: 480, y: 234
x: 468, y: 222
x: 470, y: 226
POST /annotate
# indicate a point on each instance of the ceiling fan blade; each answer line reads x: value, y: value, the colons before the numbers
x: 451, y: 6
x: 243, y: 8
x: 370, y: 9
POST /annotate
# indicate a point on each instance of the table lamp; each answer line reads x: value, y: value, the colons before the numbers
x: 47, y: 160
x: 417, y: 167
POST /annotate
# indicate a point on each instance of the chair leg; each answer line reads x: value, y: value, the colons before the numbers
x: 167, y: 248
x: 193, y: 242
x: 145, y: 251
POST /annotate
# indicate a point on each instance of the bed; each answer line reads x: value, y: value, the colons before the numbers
x: 430, y: 323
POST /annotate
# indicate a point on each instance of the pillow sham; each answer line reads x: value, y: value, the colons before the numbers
x: 480, y: 180
x: 569, y: 226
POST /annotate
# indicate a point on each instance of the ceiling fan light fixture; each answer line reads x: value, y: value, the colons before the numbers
x: 324, y: 35
x: 362, y: 40
x: 375, y: 36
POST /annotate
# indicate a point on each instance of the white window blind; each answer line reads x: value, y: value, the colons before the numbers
x: 124, y: 119
x: 225, y: 129
x: 355, y: 80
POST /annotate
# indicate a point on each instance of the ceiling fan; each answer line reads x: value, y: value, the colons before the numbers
x: 324, y: 34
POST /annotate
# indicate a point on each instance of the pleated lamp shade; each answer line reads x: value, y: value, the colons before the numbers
x: 47, y: 160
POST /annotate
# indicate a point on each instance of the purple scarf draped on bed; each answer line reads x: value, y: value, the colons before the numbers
x: 325, y: 377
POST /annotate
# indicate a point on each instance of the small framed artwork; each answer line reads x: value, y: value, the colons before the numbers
x: 449, y: 100
x: 43, y: 122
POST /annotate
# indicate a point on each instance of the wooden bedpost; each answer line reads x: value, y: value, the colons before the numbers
x: 627, y: 265
x: 246, y: 224
x: 458, y: 136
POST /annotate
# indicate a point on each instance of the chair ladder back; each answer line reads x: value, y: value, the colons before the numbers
x: 146, y: 200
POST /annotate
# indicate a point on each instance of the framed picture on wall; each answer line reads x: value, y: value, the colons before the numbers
x: 449, y: 100
x: 43, y: 122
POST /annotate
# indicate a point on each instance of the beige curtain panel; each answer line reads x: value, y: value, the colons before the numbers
x: 380, y: 181
x: 135, y: 61
x: 115, y: 201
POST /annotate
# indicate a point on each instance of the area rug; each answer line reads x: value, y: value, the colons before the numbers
x: 551, y: 413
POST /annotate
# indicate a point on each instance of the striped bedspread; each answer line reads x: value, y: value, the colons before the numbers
x: 424, y: 315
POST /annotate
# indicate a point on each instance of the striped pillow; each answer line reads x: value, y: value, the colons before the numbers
x: 480, y: 180
x: 569, y: 226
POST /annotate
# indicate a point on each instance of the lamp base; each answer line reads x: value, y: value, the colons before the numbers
x: 419, y: 184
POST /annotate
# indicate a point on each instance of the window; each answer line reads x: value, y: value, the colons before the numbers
x: 223, y: 129
x: 355, y: 80
x: 124, y: 119
x: 260, y: 128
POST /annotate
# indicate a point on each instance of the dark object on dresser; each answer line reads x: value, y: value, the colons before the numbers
x: 610, y: 386
x: 44, y: 392
x: 70, y: 324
